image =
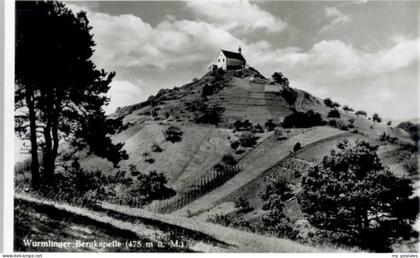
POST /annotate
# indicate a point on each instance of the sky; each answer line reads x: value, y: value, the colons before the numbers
x: 364, y: 54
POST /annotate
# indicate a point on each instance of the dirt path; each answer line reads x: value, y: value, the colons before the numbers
x: 299, y: 101
x: 266, y: 155
x: 237, y: 241
x: 227, y: 239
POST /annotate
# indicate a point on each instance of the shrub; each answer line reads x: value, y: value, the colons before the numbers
x: 334, y: 113
x: 228, y: 159
x: 361, y: 113
x: 303, y: 120
x: 156, y: 147
x: 269, y: 124
x: 243, y: 126
x: 195, y: 79
x: 223, y: 220
x: 248, y: 139
x: 347, y: 109
x: 289, y: 95
x: 234, y: 145
x: 242, y: 204
x: 280, y: 79
x: 173, y: 134
x: 297, y: 147
x: 376, y: 118
x: 258, y: 129
x: 209, y: 115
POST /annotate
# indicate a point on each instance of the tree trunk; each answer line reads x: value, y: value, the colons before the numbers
x: 47, y: 157
x: 34, y: 144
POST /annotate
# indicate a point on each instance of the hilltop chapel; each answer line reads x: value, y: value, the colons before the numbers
x: 228, y: 60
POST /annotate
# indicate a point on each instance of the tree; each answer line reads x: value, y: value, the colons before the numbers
x: 376, y: 118
x: 328, y: 102
x: 173, y: 134
x: 347, y: 109
x: 361, y: 113
x: 303, y: 120
x: 297, y: 147
x: 334, y: 113
x: 280, y: 79
x: 64, y: 97
x: 354, y: 199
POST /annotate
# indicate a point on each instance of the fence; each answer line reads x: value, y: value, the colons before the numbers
x: 210, y: 181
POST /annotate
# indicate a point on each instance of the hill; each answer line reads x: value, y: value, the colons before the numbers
x: 243, y: 123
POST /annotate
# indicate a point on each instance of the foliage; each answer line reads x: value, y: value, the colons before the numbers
x: 289, y: 95
x: 384, y: 137
x: 347, y: 109
x: 297, y: 147
x: 329, y: 103
x: 234, y: 145
x: 242, y: 204
x: 243, y: 126
x: 84, y: 188
x: 303, y: 120
x: 209, y: 114
x: 228, y: 159
x: 354, y: 199
x: 65, y: 95
x: 270, y: 125
x: 173, y: 134
x: 274, y: 196
x: 223, y: 220
x: 361, y: 113
x: 210, y: 89
x: 334, y: 113
x: 376, y: 118
x: 248, y: 139
x: 280, y: 79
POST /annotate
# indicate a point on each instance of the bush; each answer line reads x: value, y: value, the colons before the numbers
x: 329, y: 103
x: 289, y: 95
x: 243, y: 126
x: 347, y: 109
x: 223, y: 220
x: 361, y: 113
x: 303, y: 120
x: 280, y: 79
x: 248, y: 139
x: 297, y: 147
x: 257, y: 129
x: 209, y: 115
x: 269, y: 124
x: 173, y: 134
x: 156, y: 147
x: 242, y: 204
x: 334, y: 113
x: 234, y: 145
x: 228, y: 159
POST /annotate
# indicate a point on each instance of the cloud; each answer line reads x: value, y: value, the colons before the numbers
x: 335, y: 16
x: 160, y: 54
x: 236, y: 15
x: 335, y: 61
x: 123, y: 93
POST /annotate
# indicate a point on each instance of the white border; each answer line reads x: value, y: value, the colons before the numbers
x: 8, y: 97
x: 7, y: 169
